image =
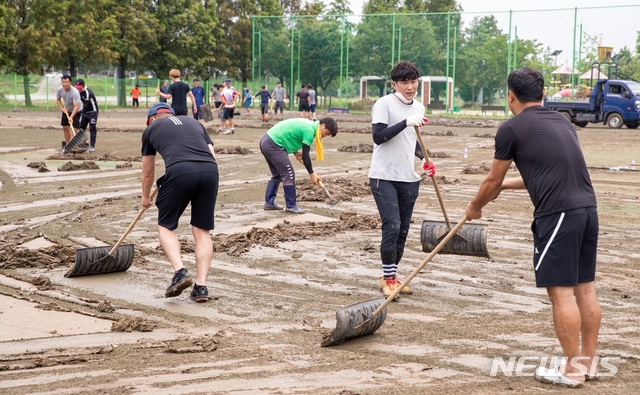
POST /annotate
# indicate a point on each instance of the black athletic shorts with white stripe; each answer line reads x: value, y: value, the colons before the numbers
x: 565, y: 245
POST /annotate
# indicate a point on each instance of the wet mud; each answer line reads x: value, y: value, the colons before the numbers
x: 237, y: 150
x: 85, y: 165
x: 130, y: 324
x: 482, y: 169
x: 341, y: 189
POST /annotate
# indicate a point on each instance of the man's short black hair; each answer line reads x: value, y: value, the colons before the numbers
x: 195, y: 79
x: 526, y: 84
x: 404, y: 71
x: 264, y: 87
x: 65, y: 77
x: 330, y: 124
x: 304, y: 86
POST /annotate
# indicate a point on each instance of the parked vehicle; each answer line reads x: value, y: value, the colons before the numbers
x: 611, y: 102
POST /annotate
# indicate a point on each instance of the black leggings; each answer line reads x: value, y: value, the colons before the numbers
x: 278, y: 160
x: 395, y: 201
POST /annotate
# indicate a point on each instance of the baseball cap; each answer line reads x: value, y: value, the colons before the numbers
x: 79, y: 83
x: 227, y: 81
x: 159, y: 108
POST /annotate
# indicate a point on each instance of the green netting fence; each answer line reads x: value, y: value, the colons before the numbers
x: 465, y: 58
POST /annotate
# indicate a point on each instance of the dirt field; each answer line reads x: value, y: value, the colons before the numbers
x: 277, y: 280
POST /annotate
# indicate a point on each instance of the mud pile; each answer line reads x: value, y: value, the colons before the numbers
x: 340, y: 189
x: 41, y: 166
x: 447, y: 133
x: 484, y: 136
x: 442, y: 180
x: 482, y: 169
x: 438, y: 154
x: 362, y: 147
x: 239, y: 243
x: 96, y: 158
x: 465, y: 123
x: 85, y: 165
x: 125, y: 165
x: 129, y: 324
x: 49, y: 257
x: 233, y: 150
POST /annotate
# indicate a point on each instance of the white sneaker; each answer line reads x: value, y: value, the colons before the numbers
x: 552, y: 376
x: 91, y: 149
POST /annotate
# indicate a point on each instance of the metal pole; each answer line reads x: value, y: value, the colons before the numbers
x: 341, y: 56
x: 580, y: 53
x: 447, y: 64
x: 455, y: 41
x: 506, y: 102
x: 573, y: 53
x: 399, y: 43
x: 293, y: 22
x: 253, y: 52
x: 106, y: 78
x: 46, y: 93
x: 259, y: 58
x: 346, y: 87
x: 393, y: 39
x: 515, y: 48
x: 299, y: 41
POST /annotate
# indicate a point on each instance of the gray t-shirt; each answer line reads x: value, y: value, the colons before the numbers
x: 312, y: 96
x: 278, y: 93
x: 69, y: 97
x: 394, y: 160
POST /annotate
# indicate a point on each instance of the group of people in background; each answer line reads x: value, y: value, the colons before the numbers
x: 79, y: 109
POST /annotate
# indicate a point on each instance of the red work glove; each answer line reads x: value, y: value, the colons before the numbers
x: 429, y: 168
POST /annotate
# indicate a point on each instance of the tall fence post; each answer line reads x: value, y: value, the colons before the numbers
x: 580, y: 54
x: 515, y: 47
x: 393, y: 39
x: 447, y: 61
x: 346, y: 88
x: 253, y: 52
x: 573, y: 52
x: 341, y: 56
x: 506, y: 102
x: 291, y: 91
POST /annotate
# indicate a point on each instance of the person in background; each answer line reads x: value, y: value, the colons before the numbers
x: 191, y: 176
x: 312, y: 101
x: 278, y: 95
x: 229, y: 98
x: 247, y: 100
x: 303, y: 101
x: 265, y: 97
x: 89, y: 115
x: 177, y: 93
x: 68, y: 101
x: 198, y: 99
x: 135, y: 94
x: 164, y: 89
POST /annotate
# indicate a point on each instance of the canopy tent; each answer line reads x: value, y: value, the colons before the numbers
x: 565, y: 69
x: 595, y: 74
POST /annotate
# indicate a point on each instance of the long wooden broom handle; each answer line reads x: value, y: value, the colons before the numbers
x: 70, y: 124
x: 433, y: 179
x: 420, y: 267
x: 135, y: 220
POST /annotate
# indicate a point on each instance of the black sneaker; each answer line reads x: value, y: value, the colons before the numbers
x: 180, y: 281
x: 200, y: 293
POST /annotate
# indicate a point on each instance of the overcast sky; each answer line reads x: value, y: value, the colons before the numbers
x: 614, y: 27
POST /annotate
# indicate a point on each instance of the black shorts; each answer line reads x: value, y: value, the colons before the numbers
x: 264, y: 107
x: 184, y: 182
x: 565, y: 247
x: 303, y: 106
x: 227, y: 113
x: 64, y: 121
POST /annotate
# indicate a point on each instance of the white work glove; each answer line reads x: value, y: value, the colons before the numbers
x: 416, y: 120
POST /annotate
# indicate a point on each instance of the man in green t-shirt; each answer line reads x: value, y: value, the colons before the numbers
x: 293, y: 136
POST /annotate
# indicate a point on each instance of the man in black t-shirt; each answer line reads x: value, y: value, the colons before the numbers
x: 89, y: 114
x: 178, y: 92
x: 191, y: 176
x: 545, y: 148
x: 303, y: 101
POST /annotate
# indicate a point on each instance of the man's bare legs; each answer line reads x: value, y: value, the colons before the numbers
x: 576, y: 311
x: 67, y: 133
x: 591, y: 316
x: 204, y: 251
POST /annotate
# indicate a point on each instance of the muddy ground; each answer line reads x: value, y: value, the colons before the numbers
x: 277, y: 280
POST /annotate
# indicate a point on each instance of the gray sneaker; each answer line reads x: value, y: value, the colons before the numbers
x: 199, y: 293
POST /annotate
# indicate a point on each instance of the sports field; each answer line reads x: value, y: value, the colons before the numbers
x: 276, y: 288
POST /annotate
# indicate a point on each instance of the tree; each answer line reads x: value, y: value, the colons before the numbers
x: 28, y: 36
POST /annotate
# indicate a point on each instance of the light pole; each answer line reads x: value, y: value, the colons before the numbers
x: 556, y: 53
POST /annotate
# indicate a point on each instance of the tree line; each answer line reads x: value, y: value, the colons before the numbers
x: 211, y: 38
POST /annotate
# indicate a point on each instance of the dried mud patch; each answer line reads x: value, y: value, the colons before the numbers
x: 466, y: 123
x: 239, y: 243
x: 484, y: 136
x: 41, y: 166
x: 130, y: 324
x: 442, y: 180
x: 447, y: 133
x: 12, y: 257
x: 482, y: 169
x: 55, y: 357
x: 95, y: 158
x: 362, y: 147
x: 85, y: 165
x: 340, y: 189
x: 43, y: 283
x: 233, y: 150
